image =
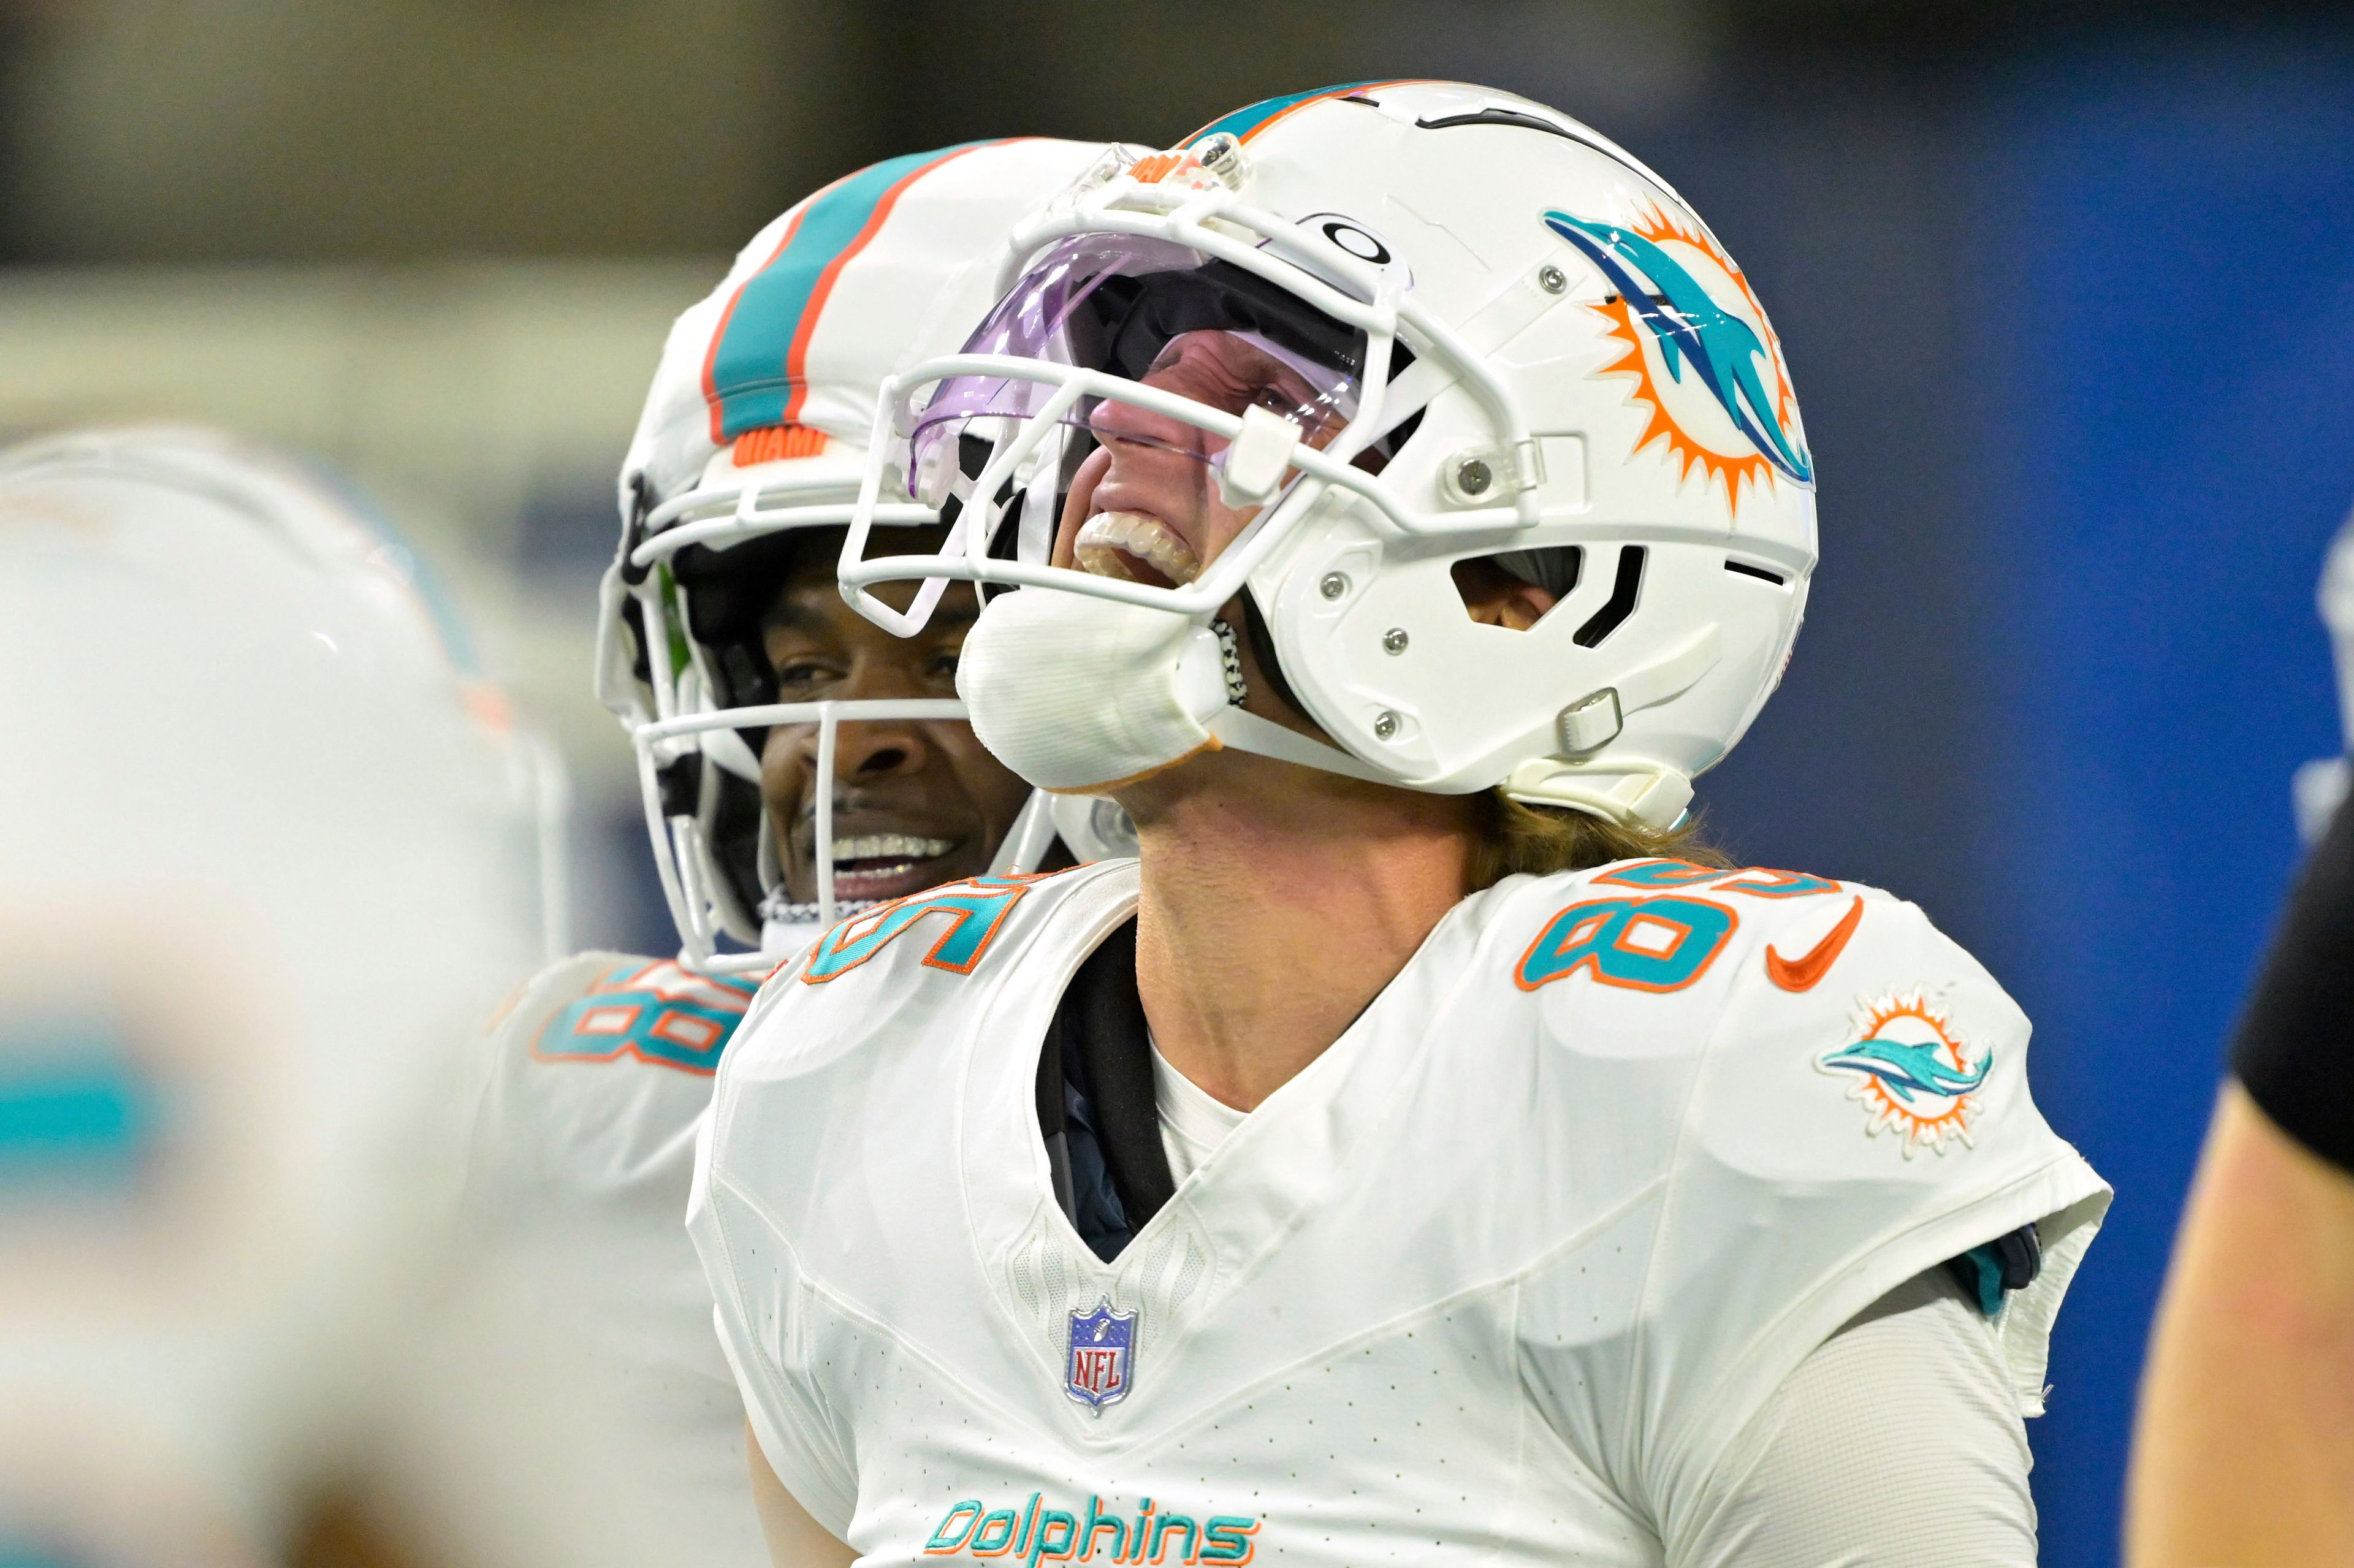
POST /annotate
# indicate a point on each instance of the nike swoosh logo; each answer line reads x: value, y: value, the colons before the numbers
x: 1800, y: 974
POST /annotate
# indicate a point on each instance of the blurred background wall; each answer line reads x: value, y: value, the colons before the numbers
x: 2068, y: 291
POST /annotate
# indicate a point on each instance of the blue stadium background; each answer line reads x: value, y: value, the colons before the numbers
x: 2075, y: 342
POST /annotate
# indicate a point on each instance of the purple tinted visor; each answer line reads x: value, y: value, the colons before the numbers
x: 1155, y: 312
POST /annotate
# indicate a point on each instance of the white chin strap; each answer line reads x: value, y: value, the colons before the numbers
x: 1079, y: 695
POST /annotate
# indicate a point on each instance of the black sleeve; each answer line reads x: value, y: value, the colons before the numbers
x: 2294, y: 1037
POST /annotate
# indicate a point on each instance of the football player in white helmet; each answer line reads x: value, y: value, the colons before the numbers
x: 1429, y: 1148
x: 746, y: 685
x: 271, y: 842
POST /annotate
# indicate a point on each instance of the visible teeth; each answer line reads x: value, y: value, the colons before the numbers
x: 889, y: 846
x: 1148, y: 539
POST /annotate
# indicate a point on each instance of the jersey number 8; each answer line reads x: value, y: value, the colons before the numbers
x: 1642, y: 944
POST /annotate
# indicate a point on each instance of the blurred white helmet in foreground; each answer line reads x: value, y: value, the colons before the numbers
x: 272, y: 850
x: 155, y: 1231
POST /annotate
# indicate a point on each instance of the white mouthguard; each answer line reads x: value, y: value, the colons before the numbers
x: 1150, y: 540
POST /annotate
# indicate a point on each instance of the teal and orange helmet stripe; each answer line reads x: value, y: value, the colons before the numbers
x: 754, y: 375
x: 1245, y: 123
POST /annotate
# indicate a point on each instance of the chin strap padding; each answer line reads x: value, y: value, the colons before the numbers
x: 1594, y: 778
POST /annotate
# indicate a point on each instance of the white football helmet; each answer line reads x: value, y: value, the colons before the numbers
x: 210, y: 518
x: 1477, y: 329
x: 273, y: 852
x: 754, y: 427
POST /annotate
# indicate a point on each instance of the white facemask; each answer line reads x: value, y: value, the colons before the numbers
x: 1078, y: 694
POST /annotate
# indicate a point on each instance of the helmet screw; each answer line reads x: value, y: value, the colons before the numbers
x: 1222, y: 154
x: 1473, y: 476
x: 1333, y: 584
x: 1393, y: 639
x: 1386, y: 725
x: 1551, y: 279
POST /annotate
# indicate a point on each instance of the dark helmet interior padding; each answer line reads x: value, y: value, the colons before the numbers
x: 1136, y: 316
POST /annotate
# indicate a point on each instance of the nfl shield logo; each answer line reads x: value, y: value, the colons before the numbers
x: 1102, y: 1362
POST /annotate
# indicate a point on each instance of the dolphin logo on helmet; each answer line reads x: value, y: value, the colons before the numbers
x: 1691, y: 327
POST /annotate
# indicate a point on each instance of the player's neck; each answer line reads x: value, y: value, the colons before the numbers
x: 1278, y: 902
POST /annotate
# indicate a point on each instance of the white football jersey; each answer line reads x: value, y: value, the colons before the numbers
x: 624, y: 1433
x: 1506, y: 1269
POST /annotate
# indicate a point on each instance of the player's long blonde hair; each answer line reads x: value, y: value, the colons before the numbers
x: 1541, y: 839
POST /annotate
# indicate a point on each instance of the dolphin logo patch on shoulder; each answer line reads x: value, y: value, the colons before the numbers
x: 1911, y: 1073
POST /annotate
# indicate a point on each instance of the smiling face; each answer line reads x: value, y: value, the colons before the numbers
x: 916, y: 802
x: 1144, y: 505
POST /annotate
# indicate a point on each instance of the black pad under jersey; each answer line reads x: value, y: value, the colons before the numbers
x: 1096, y: 1103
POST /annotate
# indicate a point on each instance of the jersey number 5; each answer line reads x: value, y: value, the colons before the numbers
x: 974, y: 910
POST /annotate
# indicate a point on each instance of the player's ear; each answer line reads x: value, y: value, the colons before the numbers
x: 1494, y: 597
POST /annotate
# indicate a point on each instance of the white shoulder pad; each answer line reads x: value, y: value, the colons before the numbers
x: 596, y: 1070
x: 881, y: 975
x: 1854, y: 1111
x: 580, y: 1324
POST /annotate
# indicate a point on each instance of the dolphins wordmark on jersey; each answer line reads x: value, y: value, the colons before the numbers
x: 1507, y: 1267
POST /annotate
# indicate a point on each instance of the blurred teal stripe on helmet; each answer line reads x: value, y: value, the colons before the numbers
x: 757, y: 361
x: 29, y: 1554
x: 71, y: 1109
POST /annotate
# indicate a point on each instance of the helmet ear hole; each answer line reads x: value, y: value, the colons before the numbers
x: 1517, y: 588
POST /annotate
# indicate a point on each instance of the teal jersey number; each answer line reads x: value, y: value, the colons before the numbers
x: 973, y: 908
x: 1643, y: 944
